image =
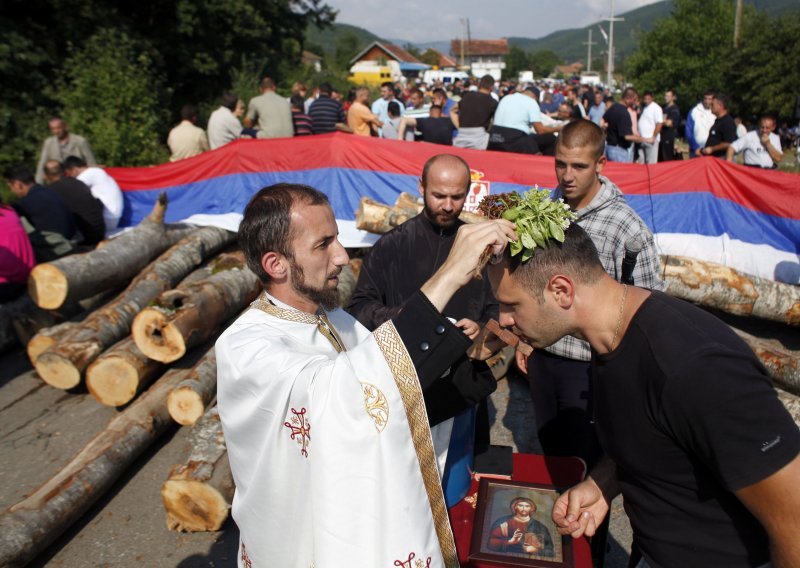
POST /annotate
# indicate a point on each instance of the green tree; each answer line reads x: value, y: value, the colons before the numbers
x: 430, y: 57
x: 347, y: 47
x: 688, y: 51
x: 763, y: 72
x: 543, y: 62
x: 111, y: 97
x: 517, y: 59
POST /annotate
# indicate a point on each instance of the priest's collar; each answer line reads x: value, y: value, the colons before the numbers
x: 451, y: 230
x: 274, y: 307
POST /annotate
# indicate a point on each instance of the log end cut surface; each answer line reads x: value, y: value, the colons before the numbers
x: 112, y: 381
x: 48, y: 286
x: 57, y: 371
x: 185, y: 406
x: 156, y: 338
x: 193, y: 506
x: 38, y: 344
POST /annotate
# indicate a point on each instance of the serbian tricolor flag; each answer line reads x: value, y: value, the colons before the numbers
x: 704, y: 208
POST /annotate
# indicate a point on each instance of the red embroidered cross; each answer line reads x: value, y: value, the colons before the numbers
x: 418, y: 564
x: 301, y: 429
x: 245, y: 558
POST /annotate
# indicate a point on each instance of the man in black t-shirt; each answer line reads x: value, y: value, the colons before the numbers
x: 87, y: 210
x: 473, y: 115
x: 436, y: 129
x: 619, y: 129
x: 696, y: 440
x: 722, y: 133
x: 672, y: 121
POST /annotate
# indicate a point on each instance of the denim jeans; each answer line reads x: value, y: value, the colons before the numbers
x: 618, y: 154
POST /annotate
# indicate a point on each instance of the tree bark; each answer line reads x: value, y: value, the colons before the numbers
x: 80, y: 276
x: 792, y: 404
x: 716, y: 286
x: 348, y: 279
x: 63, y: 364
x: 188, y: 400
x: 192, y: 313
x: 198, y: 494
x: 31, y: 525
x: 120, y: 373
x: 380, y: 218
x: 783, y: 365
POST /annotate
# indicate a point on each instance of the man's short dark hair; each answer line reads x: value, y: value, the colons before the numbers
x: 389, y: 85
x: 726, y: 102
x: 709, y: 93
x: 439, y: 91
x: 647, y: 94
x: 74, y: 162
x: 325, y: 88
x: 575, y: 257
x: 19, y: 172
x: 298, y: 102
x: 267, y: 222
x: 431, y: 161
x: 581, y: 133
x: 608, y: 98
x: 630, y: 91
x: 487, y: 82
x: 229, y: 100
x: 188, y: 112
x: 768, y: 116
x: 533, y: 89
x: 674, y: 94
x: 393, y: 108
x: 53, y: 168
x: 267, y: 83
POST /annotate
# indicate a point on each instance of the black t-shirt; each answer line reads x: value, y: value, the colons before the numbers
x: 46, y: 211
x: 689, y: 415
x: 619, y: 125
x: 436, y: 130
x: 476, y: 109
x: 723, y: 130
x: 86, y: 209
x: 673, y: 113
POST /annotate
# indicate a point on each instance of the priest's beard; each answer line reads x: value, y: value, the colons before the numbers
x: 328, y: 298
x: 441, y: 220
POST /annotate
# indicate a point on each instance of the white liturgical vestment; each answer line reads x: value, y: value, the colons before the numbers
x: 329, y: 444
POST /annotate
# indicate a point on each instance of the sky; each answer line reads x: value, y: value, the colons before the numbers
x: 424, y: 20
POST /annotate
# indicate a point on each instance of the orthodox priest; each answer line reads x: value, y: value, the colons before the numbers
x: 325, y: 423
x: 398, y: 264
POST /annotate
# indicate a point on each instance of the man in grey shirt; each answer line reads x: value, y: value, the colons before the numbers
x: 61, y: 145
x: 270, y: 112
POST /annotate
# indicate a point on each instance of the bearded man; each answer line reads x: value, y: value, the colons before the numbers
x: 325, y: 423
x: 398, y: 264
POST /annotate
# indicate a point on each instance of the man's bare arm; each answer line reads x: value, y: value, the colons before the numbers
x: 775, y: 502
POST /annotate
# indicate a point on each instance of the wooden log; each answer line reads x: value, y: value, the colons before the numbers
x: 783, y: 364
x: 348, y: 279
x: 192, y: 313
x: 31, y: 525
x: 198, y: 494
x: 380, y: 218
x: 716, y: 286
x: 120, y: 373
x: 188, y: 400
x: 792, y: 404
x: 63, y: 364
x: 80, y: 276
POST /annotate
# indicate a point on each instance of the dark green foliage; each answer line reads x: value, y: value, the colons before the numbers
x: 692, y: 51
x: 541, y: 62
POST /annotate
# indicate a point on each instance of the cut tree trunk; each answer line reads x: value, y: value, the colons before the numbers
x: 198, y: 494
x: 120, y: 373
x: 348, y: 279
x: 31, y: 525
x: 380, y: 218
x: 716, y: 286
x: 80, y: 276
x: 190, y: 314
x: 783, y: 364
x: 188, y: 400
x: 792, y: 404
x: 63, y: 364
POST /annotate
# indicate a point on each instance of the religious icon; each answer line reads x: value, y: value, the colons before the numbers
x: 513, y: 526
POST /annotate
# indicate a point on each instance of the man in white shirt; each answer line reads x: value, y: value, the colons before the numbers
x: 650, y: 123
x: 762, y: 147
x: 223, y: 126
x: 701, y: 119
x: 518, y: 126
x: 102, y: 186
x: 380, y: 107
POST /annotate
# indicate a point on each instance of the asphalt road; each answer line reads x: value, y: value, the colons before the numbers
x: 42, y: 427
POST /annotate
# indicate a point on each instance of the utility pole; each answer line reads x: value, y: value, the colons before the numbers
x: 462, y: 41
x: 589, y: 43
x: 737, y: 26
x: 611, y: 19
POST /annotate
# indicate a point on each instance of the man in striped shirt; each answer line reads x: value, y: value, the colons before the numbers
x: 326, y: 113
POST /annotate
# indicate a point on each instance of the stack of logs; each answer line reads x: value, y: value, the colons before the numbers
x: 181, y: 285
x: 155, y: 296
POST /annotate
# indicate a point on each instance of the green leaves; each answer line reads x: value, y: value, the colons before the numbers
x: 537, y: 217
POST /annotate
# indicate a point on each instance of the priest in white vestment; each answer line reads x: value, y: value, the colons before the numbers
x: 325, y: 423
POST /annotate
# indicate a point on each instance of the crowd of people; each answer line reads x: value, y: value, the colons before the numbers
x: 69, y: 204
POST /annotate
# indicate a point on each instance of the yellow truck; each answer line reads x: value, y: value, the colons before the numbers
x: 369, y: 74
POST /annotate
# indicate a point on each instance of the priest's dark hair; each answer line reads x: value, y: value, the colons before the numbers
x: 576, y: 257
x: 267, y: 222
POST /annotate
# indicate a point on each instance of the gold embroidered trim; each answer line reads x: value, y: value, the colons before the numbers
x: 405, y: 377
x: 376, y: 405
x: 324, y: 326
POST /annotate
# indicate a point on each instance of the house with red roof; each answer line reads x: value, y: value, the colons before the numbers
x: 482, y: 56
